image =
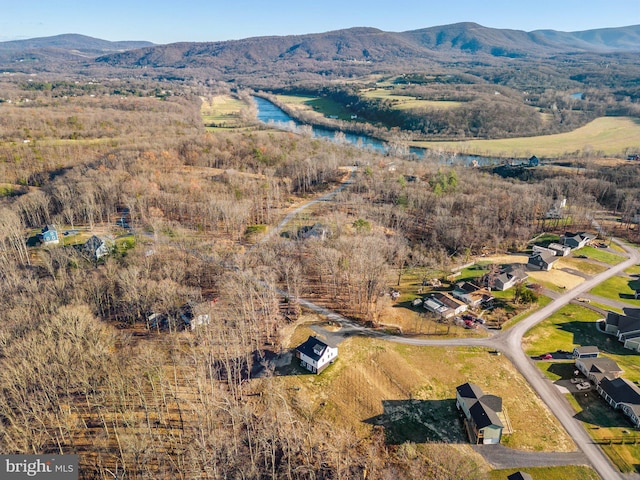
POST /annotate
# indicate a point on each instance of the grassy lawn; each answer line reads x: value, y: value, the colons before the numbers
x: 601, y: 255
x: 571, y: 472
x: 608, y: 427
x: 573, y: 326
x: 410, y: 391
x: 609, y: 135
x: 635, y: 270
x: 618, y: 288
x: 604, y: 424
x: 567, y: 328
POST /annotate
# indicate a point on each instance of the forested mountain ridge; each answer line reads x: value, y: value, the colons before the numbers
x: 375, y: 46
x: 355, y: 50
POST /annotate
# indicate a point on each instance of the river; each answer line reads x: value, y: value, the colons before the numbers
x: 272, y: 115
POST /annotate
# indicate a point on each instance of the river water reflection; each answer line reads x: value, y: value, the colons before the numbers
x: 271, y: 114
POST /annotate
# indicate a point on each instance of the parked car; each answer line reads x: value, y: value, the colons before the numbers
x: 583, y: 300
x: 583, y: 386
x: 546, y: 356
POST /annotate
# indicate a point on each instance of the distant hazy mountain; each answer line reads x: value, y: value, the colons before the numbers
x: 71, y: 42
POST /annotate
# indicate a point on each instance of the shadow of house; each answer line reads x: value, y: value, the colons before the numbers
x: 419, y: 421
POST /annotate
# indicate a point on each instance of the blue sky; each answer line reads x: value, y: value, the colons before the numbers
x: 163, y: 21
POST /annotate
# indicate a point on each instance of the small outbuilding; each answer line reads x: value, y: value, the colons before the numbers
x: 586, y: 352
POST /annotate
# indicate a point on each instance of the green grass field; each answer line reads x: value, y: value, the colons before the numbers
x: 572, y: 472
x: 620, y: 289
x: 572, y: 326
x: 601, y: 255
x: 608, y: 135
x: 320, y: 105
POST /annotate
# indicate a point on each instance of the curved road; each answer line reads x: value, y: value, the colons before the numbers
x: 509, y: 342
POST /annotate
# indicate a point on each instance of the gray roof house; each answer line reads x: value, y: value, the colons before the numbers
x: 559, y: 249
x: 626, y: 328
x: 586, y: 352
x: 481, y: 414
x: 595, y: 369
x: 577, y: 240
x: 541, y: 261
x: 506, y: 278
x: 623, y: 395
x: 96, y: 247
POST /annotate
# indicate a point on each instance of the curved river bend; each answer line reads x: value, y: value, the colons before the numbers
x: 271, y: 114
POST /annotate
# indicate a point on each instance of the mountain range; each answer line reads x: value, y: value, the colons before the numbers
x: 351, y: 49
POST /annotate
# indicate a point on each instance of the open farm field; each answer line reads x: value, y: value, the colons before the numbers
x: 407, y: 102
x: 410, y: 391
x: 221, y: 111
x: 318, y: 105
x: 606, y: 135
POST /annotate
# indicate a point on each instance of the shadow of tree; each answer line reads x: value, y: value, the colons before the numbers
x: 420, y: 421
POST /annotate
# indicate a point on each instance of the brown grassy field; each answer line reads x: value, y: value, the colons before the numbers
x: 411, y: 391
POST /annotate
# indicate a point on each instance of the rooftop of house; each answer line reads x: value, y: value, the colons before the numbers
x: 621, y: 390
x: 520, y: 476
x: 447, y: 300
x: 586, y: 350
x: 483, y: 408
x: 600, y: 367
x: 540, y: 257
x: 625, y: 323
x: 313, y: 348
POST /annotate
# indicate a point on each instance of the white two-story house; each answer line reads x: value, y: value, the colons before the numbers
x: 316, y: 355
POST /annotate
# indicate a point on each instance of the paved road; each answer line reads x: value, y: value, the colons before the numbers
x: 508, y: 342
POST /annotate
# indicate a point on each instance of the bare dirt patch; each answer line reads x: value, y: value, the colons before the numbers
x: 557, y: 277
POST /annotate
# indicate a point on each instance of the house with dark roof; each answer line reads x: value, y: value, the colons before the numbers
x: 595, y: 369
x: 520, y: 476
x: 626, y: 328
x: 586, y: 352
x: 316, y: 355
x: 541, y: 261
x: 471, y: 294
x: 481, y: 414
x: 96, y: 247
x: 505, y: 278
x: 48, y: 235
x: 444, y: 305
x: 577, y: 240
x: 623, y: 395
